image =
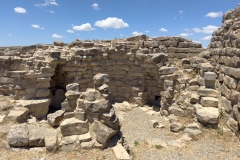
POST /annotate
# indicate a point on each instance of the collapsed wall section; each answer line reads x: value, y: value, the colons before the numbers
x: 133, y: 64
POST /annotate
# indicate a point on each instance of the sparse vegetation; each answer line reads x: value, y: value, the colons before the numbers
x: 222, y: 113
x: 136, y: 143
x: 158, y: 146
x: 193, y: 73
x: 219, y: 131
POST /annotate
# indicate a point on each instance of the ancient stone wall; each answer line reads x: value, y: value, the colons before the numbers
x: 224, y: 56
x: 133, y: 66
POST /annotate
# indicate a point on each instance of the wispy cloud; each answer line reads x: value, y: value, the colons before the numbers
x: 95, y: 6
x: 163, y: 30
x: 206, y: 38
x: 70, y: 31
x: 135, y: 33
x: 57, y: 36
x: 37, y: 26
x: 185, y: 34
x: 197, y: 41
x: 83, y: 27
x: 214, y: 14
x: 10, y: 35
x: 20, y: 10
x: 47, y: 3
x: 181, y: 11
x: 111, y: 22
x: 147, y: 31
x: 208, y: 29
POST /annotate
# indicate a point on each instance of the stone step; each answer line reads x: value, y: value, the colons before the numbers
x: 207, y: 92
x: 209, y: 102
x: 207, y: 115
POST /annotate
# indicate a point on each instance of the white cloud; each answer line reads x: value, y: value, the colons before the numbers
x: 111, y: 22
x: 95, y: 6
x: 147, y: 31
x: 83, y: 27
x: 181, y: 11
x: 135, y: 33
x: 121, y: 35
x: 70, y: 31
x: 206, y: 38
x: 47, y: 3
x: 37, y: 26
x: 163, y: 30
x: 20, y: 10
x: 214, y: 14
x: 185, y: 34
x: 57, y: 36
x: 208, y: 29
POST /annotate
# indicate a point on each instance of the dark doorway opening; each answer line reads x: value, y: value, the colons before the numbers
x: 57, y: 89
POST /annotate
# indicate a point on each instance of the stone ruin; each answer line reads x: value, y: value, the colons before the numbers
x: 54, y: 82
x: 91, y: 123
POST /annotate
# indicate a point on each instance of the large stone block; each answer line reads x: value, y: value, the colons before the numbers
x: 18, y: 114
x: 101, y: 132
x: 55, y: 118
x: 209, y: 102
x: 207, y: 92
x: 225, y: 104
x: 73, y: 126
x: 38, y: 108
x: 209, y: 79
x: 167, y: 70
x: 18, y: 135
x: 207, y: 115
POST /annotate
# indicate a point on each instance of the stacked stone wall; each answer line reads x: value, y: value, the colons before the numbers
x: 133, y: 66
x: 224, y: 56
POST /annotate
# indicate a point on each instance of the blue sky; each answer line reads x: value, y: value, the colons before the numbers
x: 28, y: 22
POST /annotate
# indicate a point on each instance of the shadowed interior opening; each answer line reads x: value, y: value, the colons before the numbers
x: 57, y: 89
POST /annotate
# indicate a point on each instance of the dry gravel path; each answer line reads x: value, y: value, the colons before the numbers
x: 207, y: 146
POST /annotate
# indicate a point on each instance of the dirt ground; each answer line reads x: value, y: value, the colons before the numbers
x: 145, y: 142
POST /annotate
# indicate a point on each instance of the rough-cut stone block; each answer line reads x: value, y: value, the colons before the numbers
x: 207, y: 115
x: 176, y: 127
x: 167, y: 70
x: 73, y: 126
x: 70, y: 143
x: 230, y: 82
x: 55, y: 118
x: 176, y: 110
x: 18, y: 135
x: 51, y: 141
x: 101, y: 132
x: 194, y: 98
x: 209, y: 102
x: 120, y: 152
x: 85, y: 137
x: 38, y: 108
x: 209, y: 78
x: 207, y: 92
x: 36, y: 135
x: 206, y: 67
x: 80, y: 114
x: 73, y: 87
x: 18, y: 114
x: 225, y: 104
